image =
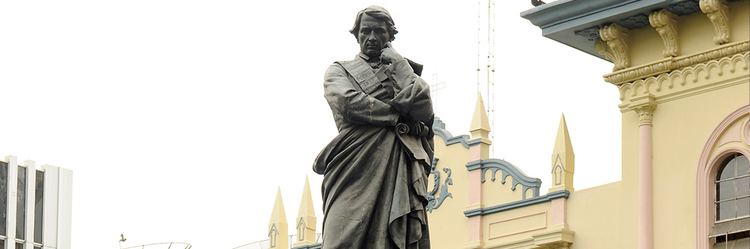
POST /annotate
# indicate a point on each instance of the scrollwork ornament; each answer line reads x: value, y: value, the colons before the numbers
x: 433, y: 200
x: 615, y: 36
x: 665, y: 24
x: 717, y: 12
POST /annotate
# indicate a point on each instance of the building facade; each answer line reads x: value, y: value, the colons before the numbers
x: 36, y: 205
x: 681, y: 67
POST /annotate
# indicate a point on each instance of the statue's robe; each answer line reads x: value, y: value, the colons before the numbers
x: 375, y: 179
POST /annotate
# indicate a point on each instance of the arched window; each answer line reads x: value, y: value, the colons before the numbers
x: 722, y: 195
x: 732, y: 203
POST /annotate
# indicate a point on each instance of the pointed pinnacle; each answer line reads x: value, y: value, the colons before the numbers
x: 306, y: 207
x: 480, y: 120
x: 278, y: 215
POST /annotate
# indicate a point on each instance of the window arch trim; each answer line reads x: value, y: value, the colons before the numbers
x: 709, y: 165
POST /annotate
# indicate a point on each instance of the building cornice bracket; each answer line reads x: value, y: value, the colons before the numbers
x: 668, y: 64
x: 718, y: 13
x: 665, y: 24
x: 615, y: 36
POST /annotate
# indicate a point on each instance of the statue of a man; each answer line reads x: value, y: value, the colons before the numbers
x: 375, y: 171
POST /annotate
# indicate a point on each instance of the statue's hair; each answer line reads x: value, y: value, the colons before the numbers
x: 378, y: 13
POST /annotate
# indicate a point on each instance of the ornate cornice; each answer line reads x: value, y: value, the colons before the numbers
x: 666, y: 65
x: 684, y: 82
x: 615, y: 36
x: 665, y: 24
x: 717, y: 12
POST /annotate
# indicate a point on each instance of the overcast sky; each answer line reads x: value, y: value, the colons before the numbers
x: 180, y: 119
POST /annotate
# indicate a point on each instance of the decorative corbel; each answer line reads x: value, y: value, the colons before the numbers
x: 602, y: 49
x: 717, y: 12
x: 615, y: 36
x: 665, y: 24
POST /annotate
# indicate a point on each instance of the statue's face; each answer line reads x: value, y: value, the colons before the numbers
x: 372, y: 36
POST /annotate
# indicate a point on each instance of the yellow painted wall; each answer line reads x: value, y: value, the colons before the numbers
x: 447, y: 223
x: 695, y: 33
x: 495, y: 192
x: 641, y: 43
x: 592, y: 209
x: 739, y: 14
x: 681, y: 129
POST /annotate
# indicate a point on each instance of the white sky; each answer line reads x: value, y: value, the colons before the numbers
x: 180, y: 119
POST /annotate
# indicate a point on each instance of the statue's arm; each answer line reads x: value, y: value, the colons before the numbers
x: 355, y: 106
x: 413, y: 98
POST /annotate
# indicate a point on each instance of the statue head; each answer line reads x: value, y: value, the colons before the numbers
x: 373, y: 28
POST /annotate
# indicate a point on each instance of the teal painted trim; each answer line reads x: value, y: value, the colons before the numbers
x: 564, y: 20
x: 506, y: 169
x: 474, y: 141
x: 517, y: 204
x: 474, y: 165
x: 438, y: 127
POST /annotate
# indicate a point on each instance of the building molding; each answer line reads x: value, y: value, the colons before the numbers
x: 718, y: 13
x: 516, y: 204
x: 438, y: 128
x: 665, y: 23
x: 666, y: 65
x: 723, y: 72
x: 507, y: 169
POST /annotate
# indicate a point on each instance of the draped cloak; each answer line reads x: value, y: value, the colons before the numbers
x: 375, y: 179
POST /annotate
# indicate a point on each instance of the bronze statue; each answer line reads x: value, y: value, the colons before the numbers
x: 375, y: 171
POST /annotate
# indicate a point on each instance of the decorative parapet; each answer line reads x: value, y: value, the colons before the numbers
x: 717, y: 12
x: 665, y: 24
x: 615, y: 36
x: 439, y: 129
x: 666, y: 65
x: 507, y: 169
x: 684, y: 82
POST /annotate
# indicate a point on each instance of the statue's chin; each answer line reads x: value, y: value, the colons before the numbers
x: 372, y: 54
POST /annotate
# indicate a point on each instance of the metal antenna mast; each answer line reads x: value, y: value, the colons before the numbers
x: 479, y: 43
x: 489, y: 81
x: 491, y: 67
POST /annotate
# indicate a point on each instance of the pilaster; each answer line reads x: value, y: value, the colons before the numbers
x: 645, y: 110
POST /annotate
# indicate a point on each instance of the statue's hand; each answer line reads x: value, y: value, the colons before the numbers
x: 389, y: 55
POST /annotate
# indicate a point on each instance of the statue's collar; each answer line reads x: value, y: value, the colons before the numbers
x: 366, y: 59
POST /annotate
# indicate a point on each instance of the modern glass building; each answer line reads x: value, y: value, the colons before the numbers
x: 35, y: 206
